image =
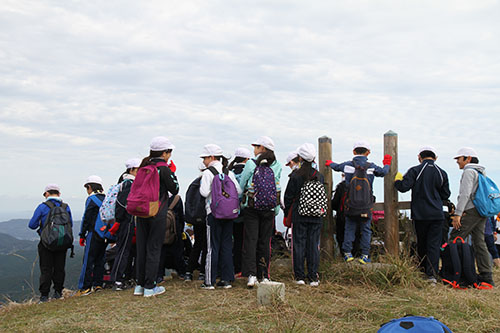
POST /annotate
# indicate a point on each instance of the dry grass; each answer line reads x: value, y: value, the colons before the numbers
x: 350, y: 298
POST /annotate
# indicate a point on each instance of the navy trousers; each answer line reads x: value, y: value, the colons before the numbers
x: 220, y: 250
x: 429, y: 237
x: 305, y: 245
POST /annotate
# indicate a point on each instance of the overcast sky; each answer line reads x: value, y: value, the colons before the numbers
x: 85, y: 85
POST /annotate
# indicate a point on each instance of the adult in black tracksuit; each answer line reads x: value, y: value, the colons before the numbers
x: 172, y: 255
x: 125, y: 252
x: 151, y: 231
x: 306, y: 230
x: 95, y: 247
x: 429, y: 188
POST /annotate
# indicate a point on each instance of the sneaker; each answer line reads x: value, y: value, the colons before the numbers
x: 43, y: 299
x: 252, y: 280
x: 364, y: 259
x: 207, y: 286
x: 201, y: 277
x: 158, y: 290
x: 188, y: 277
x: 224, y: 284
x: 265, y: 280
x: 57, y: 295
x: 432, y: 280
x: 300, y: 282
x: 314, y: 283
x: 96, y: 289
x: 84, y: 292
x: 138, y: 291
x: 118, y: 286
x: 348, y: 257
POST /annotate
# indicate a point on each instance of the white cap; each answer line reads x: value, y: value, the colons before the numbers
x: 291, y: 156
x: 133, y: 163
x: 466, y: 151
x: 161, y: 143
x: 307, y: 151
x: 428, y: 148
x: 264, y: 141
x: 211, y: 150
x: 93, y: 179
x: 361, y: 144
x: 242, y: 152
x: 53, y: 187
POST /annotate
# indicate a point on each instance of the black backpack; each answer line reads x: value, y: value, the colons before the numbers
x: 57, y: 233
x: 359, y: 198
x: 194, y: 207
x: 459, y: 265
x: 313, y: 200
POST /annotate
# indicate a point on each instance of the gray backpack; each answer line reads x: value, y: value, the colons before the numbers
x: 57, y: 233
x: 171, y: 231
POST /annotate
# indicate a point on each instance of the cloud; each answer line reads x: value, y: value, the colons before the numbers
x: 86, y: 86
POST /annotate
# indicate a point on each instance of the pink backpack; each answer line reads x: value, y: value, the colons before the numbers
x: 144, y: 197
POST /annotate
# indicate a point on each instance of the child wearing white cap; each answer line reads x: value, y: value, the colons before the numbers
x: 358, y: 212
x: 241, y: 157
x: 219, y: 231
x: 150, y: 232
x: 306, y: 229
x: 52, y: 262
x: 91, y: 276
x: 124, y: 229
x: 259, y: 224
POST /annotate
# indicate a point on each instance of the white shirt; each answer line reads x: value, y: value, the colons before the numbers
x: 207, y: 178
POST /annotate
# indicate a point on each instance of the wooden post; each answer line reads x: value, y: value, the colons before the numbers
x: 325, y: 153
x: 391, y: 209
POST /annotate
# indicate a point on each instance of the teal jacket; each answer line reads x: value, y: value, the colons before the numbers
x: 247, y: 175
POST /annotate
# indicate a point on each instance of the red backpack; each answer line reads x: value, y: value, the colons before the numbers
x: 144, y: 197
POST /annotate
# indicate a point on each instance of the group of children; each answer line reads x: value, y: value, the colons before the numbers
x: 231, y: 206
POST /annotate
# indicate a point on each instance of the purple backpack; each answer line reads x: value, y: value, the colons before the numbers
x: 225, y: 202
x: 265, y: 196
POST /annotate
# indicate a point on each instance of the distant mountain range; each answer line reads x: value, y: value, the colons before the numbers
x: 19, y: 229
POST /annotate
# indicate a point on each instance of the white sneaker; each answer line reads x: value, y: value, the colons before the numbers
x: 138, y: 291
x: 314, y: 283
x: 252, y: 280
x: 300, y: 282
x: 264, y: 280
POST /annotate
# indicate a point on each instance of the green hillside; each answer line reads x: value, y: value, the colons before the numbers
x: 19, y: 268
x: 349, y: 299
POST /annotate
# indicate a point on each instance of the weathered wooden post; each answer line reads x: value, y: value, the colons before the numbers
x: 391, y: 209
x: 325, y: 153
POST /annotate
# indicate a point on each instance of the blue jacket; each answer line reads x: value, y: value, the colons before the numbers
x: 429, y: 187
x: 41, y: 212
x: 348, y: 168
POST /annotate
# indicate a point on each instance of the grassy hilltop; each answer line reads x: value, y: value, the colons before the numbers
x: 349, y: 299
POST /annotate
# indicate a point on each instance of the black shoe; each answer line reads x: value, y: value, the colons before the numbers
x: 201, y: 277
x: 486, y: 277
x: 43, y: 299
x: 57, y: 295
x: 224, y: 284
x: 188, y: 277
x: 207, y: 286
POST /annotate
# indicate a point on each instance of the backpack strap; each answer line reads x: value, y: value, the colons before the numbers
x: 50, y: 204
x: 213, y: 170
x: 96, y: 200
x: 174, y: 202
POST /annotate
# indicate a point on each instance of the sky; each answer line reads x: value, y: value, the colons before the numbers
x: 86, y: 85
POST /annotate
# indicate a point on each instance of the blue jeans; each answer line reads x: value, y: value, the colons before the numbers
x: 350, y: 234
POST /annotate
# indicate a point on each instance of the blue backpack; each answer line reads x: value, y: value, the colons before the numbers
x: 414, y: 324
x: 101, y: 228
x: 487, y: 197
